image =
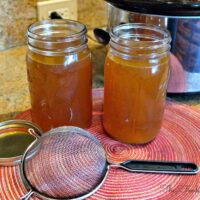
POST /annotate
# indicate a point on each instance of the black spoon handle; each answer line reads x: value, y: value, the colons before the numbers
x: 163, y: 167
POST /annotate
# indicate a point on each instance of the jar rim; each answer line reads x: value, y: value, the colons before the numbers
x: 139, y: 40
x: 41, y: 30
x: 55, y: 37
x: 165, y: 36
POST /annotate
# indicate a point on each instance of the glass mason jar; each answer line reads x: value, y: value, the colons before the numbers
x: 59, y: 74
x: 136, y: 75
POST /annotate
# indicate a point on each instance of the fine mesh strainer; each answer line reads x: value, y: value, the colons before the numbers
x: 70, y: 163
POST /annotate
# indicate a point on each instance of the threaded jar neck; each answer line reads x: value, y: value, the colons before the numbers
x: 139, y: 40
x: 55, y: 37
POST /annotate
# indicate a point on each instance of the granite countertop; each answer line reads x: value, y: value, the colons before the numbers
x: 14, y: 93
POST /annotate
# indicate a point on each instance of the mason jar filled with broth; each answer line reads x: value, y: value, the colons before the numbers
x: 136, y: 75
x: 59, y: 74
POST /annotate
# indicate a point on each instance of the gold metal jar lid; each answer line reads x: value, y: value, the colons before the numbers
x: 15, y: 137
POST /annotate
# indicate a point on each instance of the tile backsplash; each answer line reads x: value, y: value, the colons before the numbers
x: 92, y: 12
x: 17, y: 15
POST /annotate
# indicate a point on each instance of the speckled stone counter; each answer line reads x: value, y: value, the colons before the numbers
x: 13, y: 88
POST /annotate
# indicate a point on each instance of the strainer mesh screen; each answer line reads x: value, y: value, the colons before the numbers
x: 65, y: 163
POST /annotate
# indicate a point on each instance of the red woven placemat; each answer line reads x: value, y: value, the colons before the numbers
x: 179, y: 140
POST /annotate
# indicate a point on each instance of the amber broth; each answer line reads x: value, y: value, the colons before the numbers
x: 60, y: 89
x: 135, y: 92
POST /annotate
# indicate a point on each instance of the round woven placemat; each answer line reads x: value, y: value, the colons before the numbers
x: 179, y: 140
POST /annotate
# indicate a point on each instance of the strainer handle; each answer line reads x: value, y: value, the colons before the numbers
x: 160, y: 167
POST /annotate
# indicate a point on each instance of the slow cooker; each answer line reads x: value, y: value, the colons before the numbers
x: 182, y: 19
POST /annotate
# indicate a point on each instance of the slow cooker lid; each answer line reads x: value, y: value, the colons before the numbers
x: 181, y: 8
